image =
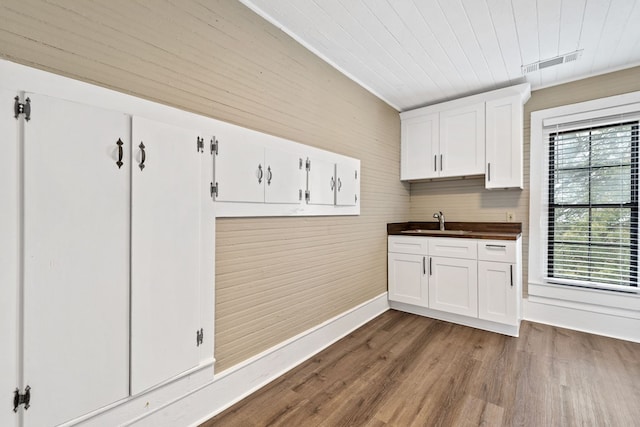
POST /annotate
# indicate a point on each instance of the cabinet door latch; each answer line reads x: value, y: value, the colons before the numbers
x: 199, y: 337
x: 214, y: 146
x: 200, y: 144
x: 22, y: 399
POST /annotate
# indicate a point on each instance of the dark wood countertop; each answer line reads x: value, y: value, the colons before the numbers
x: 464, y: 230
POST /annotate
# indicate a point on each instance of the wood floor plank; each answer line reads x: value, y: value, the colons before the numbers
x: 406, y: 370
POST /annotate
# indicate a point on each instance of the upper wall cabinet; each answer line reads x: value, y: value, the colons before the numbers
x: 262, y: 175
x: 480, y: 134
x: 249, y: 170
x: 462, y: 141
x: 504, y: 143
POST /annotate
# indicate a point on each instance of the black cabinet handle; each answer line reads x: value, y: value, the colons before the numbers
x: 260, y: 174
x: 269, y: 175
x: 511, y: 273
x: 424, y: 267
x: 120, y: 153
x: 144, y: 155
x: 430, y: 266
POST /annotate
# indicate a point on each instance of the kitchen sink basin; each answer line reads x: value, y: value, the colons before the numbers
x: 450, y: 232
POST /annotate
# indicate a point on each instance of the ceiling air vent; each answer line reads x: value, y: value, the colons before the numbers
x: 540, y: 65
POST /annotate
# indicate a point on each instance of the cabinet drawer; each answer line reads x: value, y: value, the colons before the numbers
x: 407, y: 245
x: 497, y: 250
x: 453, y: 248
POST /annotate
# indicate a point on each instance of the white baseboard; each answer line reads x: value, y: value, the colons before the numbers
x: 474, y: 322
x: 580, y: 318
x: 197, y: 404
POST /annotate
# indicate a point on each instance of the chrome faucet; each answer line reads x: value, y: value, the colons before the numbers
x: 440, y: 217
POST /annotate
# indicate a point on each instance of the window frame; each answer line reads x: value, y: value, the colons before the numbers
x: 568, y: 293
x: 632, y: 205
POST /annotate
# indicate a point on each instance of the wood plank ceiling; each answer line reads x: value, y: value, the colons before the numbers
x: 412, y: 53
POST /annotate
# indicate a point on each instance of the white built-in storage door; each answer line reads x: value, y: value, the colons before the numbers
x: 347, y: 181
x: 239, y: 167
x: 462, y: 141
x: 76, y: 259
x: 165, y: 259
x: 284, y: 179
x: 9, y: 259
x: 321, y: 182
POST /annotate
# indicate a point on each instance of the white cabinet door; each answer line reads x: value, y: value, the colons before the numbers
x: 462, y: 141
x: 497, y: 292
x: 76, y: 259
x: 504, y: 143
x: 453, y: 285
x: 420, y: 150
x: 165, y: 245
x: 284, y: 177
x: 239, y: 167
x: 321, y: 182
x: 9, y: 254
x: 347, y: 183
x: 408, y: 279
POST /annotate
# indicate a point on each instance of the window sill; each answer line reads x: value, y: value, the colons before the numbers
x: 591, y: 300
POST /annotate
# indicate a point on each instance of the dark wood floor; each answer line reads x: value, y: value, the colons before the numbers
x: 406, y: 370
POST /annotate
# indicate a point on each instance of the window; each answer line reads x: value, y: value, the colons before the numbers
x: 592, y: 230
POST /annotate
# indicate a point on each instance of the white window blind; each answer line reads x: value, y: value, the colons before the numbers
x: 592, y: 236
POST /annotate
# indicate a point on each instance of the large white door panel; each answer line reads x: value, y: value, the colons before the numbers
x: 9, y: 254
x: 76, y: 259
x: 165, y: 244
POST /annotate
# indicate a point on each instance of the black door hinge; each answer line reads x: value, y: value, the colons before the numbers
x: 22, y: 108
x: 214, y: 146
x: 307, y: 196
x: 200, y: 144
x: 308, y: 165
x: 199, y: 337
x: 214, y: 190
x: 22, y: 399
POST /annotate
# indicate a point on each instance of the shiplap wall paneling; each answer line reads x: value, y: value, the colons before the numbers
x: 276, y: 277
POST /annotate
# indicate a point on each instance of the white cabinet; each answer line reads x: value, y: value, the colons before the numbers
x: 76, y: 259
x: 167, y: 261
x: 284, y: 177
x: 332, y: 184
x: 117, y: 251
x: 462, y: 141
x: 453, y: 276
x: 474, y: 282
x: 347, y: 183
x: 499, y: 282
x: 504, y: 143
x: 249, y: 170
x: 407, y: 270
x: 321, y: 182
x: 262, y: 175
x: 9, y: 258
x: 420, y: 147
x: 443, y: 144
x: 475, y: 135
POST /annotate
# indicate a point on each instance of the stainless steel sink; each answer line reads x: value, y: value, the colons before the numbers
x: 450, y: 232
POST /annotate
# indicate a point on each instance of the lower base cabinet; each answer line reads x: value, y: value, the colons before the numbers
x: 469, y: 281
x: 408, y: 279
x: 498, y: 292
x: 453, y: 286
